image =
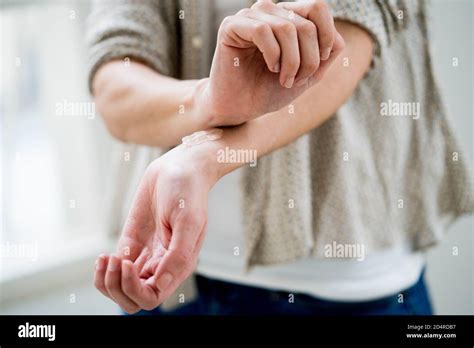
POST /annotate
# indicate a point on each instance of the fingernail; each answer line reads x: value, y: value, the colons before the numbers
x: 289, y: 82
x: 164, y: 281
x: 302, y: 82
x: 276, y: 68
x: 99, y: 264
x: 114, y: 263
x: 325, y: 55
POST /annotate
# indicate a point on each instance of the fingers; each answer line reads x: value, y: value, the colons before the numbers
x: 172, y: 265
x: 113, y: 286
x: 150, y: 266
x: 307, y: 35
x: 180, y: 259
x: 123, y: 284
x: 293, y: 37
x: 120, y: 280
x: 319, y: 13
x: 136, y: 289
x: 248, y: 30
x: 287, y: 37
x: 99, y: 274
x: 142, y: 259
x: 338, y: 47
x: 175, y: 267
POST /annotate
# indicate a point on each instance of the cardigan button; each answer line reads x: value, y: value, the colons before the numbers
x: 196, y: 42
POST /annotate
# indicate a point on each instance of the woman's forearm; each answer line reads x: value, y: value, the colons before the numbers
x: 275, y: 130
x: 141, y: 106
x: 266, y: 56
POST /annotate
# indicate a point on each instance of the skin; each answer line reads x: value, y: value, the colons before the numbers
x: 278, y: 59
x: 138, y: 103
x: 162, y: 237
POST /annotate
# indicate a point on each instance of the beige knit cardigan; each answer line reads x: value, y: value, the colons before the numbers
x: 362, y: 178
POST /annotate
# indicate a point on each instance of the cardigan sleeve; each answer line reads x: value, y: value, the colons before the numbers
x: 382, y: 19
x: 144, y: 30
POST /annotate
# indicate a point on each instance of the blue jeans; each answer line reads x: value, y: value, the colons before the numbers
x: 217, y: 297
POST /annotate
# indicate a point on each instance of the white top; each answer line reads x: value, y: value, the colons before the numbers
x: 378, y: 275
x: 222, y: 257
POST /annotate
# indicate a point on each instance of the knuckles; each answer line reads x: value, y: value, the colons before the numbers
x: 264, y: 6
x: 286, y: 27
x: 318, y: 5
x: 227, y: 24
x: 226, y: 21
x: 307, y: 27
x: 293, y: 64
x: 261, y: 28
x: 243, y: 12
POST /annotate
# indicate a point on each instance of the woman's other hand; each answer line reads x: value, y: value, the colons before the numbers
x: 266, y: 56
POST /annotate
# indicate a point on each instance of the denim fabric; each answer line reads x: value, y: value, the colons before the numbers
x: 217, y: 297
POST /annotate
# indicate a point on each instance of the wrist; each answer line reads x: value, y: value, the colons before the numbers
x: 201, y: 159
x: 202, y: 103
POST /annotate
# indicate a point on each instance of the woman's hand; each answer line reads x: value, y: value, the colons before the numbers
x: 267, y: 56
x: 163, y: 233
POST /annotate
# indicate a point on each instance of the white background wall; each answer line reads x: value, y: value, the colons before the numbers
x: 451, y: 277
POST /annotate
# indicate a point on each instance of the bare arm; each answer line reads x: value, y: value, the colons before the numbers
x: 144, y: 107
x: 316, y: 105
x: 170, y: 205
x: 280, y: 50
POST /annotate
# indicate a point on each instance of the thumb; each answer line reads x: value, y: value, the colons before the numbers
x: 180, y: 259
